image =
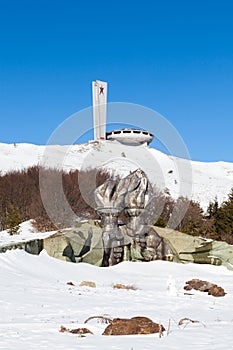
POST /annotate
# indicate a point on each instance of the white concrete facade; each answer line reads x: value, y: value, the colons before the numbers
x: 99, y: 96
x: 130, y: 136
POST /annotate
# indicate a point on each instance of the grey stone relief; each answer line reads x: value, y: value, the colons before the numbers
x: 131, y: 195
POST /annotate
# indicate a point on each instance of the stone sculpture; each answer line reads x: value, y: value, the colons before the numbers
x: 131, y: 195
x: 109, y: 198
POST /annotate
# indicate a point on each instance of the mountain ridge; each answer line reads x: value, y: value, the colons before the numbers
x: 200, y: 181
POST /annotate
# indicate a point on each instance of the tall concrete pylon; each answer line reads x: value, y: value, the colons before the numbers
x: 99, y: 96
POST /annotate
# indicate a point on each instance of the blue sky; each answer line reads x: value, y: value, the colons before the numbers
x: 175, y: 57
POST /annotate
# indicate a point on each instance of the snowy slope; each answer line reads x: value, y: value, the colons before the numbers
x: 27, y: 232
x: 35, y: 301
x: 197, y: 180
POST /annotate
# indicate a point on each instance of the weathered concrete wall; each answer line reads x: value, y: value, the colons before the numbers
x: 83, y: 243
x: 34, y: 246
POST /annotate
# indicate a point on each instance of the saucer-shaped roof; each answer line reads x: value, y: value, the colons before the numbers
x: 130, y: 136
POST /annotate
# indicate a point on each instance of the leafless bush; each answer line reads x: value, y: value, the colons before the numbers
x: 21, y: 189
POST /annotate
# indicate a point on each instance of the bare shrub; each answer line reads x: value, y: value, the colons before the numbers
x: 103, y: 319
x: 123, y: 286
x: 21, y: 189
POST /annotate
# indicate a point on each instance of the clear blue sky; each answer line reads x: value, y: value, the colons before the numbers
x: 175, y: 57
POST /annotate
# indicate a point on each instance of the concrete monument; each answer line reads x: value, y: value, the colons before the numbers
x: 131, y: 195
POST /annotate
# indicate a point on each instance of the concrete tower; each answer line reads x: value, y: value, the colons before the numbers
x: 99, y: 96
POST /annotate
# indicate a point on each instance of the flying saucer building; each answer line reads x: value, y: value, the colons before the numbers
x: 132, y: 137
x: 127, y: 136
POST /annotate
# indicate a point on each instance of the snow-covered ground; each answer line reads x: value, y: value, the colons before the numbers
x: 26, y: 233
x: 35, y: 301
x: 198, y: 180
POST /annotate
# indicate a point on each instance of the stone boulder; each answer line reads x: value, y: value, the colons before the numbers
x: 216, y: 291
x: 135, y: 325
x: 87, y: 284
x: 204, y: 286
x: 79, y: 331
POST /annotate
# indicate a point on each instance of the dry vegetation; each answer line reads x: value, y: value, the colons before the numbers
x: 21, y: 190
x: 20, y: 199
x: 123, y: 286
x: 87, y: 284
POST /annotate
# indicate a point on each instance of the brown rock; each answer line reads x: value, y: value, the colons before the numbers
x: 216, y: 291
x: 135, y: 325
x: 188, y: 287
x: 63, y: 329
x: 123, y: 286
x: 204, y: 286
x: 75, y: 331
x: 80, y: 331
x: 87, y: 284
x: 70, y: 283
x: 200, y: 285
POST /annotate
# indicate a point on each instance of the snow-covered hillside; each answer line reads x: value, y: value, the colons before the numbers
x: 36, y: 301
x: 197, y: 180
